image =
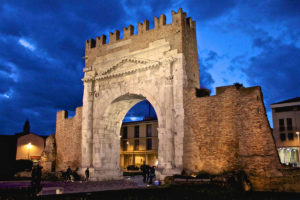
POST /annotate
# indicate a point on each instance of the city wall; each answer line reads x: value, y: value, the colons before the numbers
x: 230, y: 131
x: 68, y: 140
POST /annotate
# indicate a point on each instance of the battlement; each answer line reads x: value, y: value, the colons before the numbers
x: 178, y: 19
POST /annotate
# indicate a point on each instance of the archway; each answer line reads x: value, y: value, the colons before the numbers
x: 106, y: 137
x: 139, y: 137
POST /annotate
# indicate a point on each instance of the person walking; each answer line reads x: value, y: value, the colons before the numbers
x: 69, y: 172
x: 144, y: 171
x: 87, y: 174
x: 151, y: 174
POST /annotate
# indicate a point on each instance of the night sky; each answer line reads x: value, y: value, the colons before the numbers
x: 252, y: 42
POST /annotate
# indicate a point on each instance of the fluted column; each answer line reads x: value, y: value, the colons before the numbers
x: 87, y: 124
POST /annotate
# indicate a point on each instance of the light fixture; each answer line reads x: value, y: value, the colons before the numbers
x: 29, y: 145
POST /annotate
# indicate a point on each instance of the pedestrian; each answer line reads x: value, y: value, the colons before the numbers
x: 144, y: 171
x: 87, y: 174
x: 38, y: 176
x: 151, y: 174
x: 69, y: 172
x: 148, y: 173
x: 33, y: 177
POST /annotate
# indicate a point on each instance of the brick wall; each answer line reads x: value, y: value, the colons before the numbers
x: 68, y: 140
x: 229, y: 131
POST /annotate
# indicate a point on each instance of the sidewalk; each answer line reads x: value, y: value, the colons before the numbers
x: 78, y: 186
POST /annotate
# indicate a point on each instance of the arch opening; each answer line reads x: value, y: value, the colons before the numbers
x: 118, y: 151
x: 139, y: 137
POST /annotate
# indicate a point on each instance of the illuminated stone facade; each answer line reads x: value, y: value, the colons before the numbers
x: 30, y: 147
x: 225, y: 132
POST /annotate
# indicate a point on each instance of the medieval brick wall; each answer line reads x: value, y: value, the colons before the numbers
x: 229, y: 131
x: 68, y: 140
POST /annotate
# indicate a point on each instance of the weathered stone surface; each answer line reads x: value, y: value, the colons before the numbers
x: 68, y: 140
x: 48, y: 157
x: 225, y: 132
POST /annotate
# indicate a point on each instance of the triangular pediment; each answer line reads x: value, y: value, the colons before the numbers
x: 127, y: 66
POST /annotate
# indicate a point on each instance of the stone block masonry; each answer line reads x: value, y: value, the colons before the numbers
x: 68, y: 140
x: 230, y: 131
x: 221, y: 133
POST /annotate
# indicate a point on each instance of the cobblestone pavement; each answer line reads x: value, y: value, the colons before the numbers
x: 79, y: 186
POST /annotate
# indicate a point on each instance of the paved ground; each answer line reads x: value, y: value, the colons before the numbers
x: 79, y: 186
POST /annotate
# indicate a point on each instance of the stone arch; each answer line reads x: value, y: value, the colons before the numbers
x: 106, y: 140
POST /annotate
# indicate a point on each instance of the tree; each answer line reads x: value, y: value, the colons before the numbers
x: 26, y: 128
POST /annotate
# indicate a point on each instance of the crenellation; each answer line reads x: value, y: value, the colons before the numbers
x: 159, y: 22
x: 63, y: 114
x: 127, y: 32
x: 179, y: 17
x: 190, y: 22
x: 113, y: 37
x: 90, y: 43
x: 100, y: 40
x: 143, y: 27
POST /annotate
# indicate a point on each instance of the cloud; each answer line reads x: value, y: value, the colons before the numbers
x: 36, y: 85
x: 42, y: 43
x: 140, y: 111
x: 208, y: 10
x: 277, y: 70
x: 207, y: 59
x: 26, y: 44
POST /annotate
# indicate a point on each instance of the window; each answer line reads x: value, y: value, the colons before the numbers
x: 291, y: 136
x: 282, y: 137
x: 136, y: 132
x: 125, y: 131
x: 149, y: 144
x: 289, y: 124
x: 124, y: 145
x: 281, y: 125
x: 149, y: 130
x: 136, y: 145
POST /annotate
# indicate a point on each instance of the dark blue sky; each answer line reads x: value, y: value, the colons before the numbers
x: 42, y: 43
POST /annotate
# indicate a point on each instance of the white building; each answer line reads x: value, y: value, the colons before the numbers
x: 139, y: 143
x: 286, y: 124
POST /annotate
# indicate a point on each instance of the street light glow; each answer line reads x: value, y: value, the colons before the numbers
x: 29, y: 146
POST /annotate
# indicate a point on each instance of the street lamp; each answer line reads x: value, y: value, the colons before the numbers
x: 29, y: 146
x: 297, y: 133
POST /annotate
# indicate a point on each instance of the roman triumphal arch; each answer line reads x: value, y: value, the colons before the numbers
x: 150, y: 65
x: 226, y: 132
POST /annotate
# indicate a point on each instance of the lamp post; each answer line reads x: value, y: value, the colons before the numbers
x: 29, y: 146
x: 297, y: 133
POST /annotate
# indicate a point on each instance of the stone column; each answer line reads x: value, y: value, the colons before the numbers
x: 87, y: 124
x: 166, y: 150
